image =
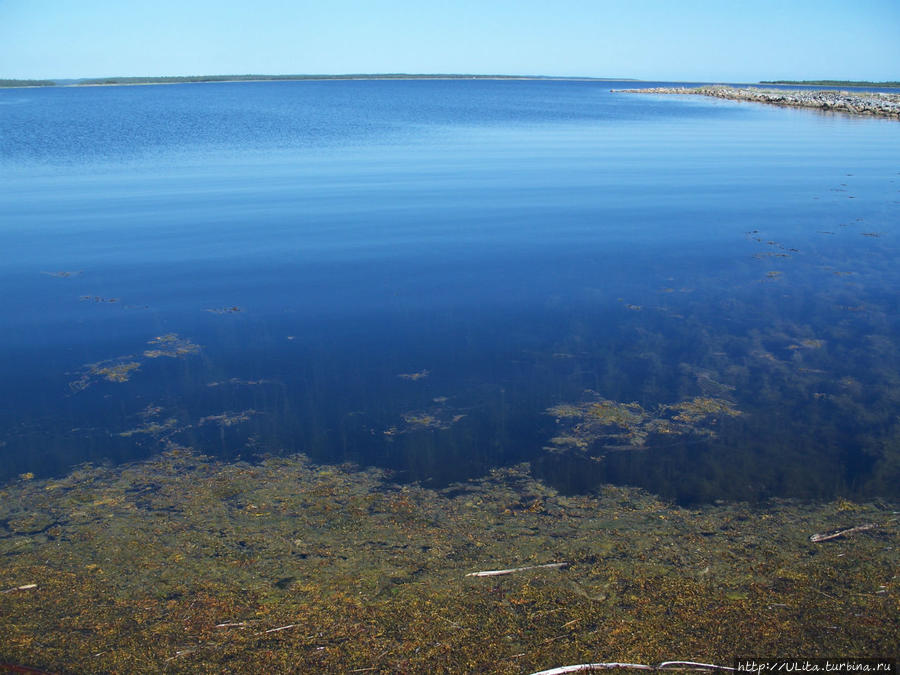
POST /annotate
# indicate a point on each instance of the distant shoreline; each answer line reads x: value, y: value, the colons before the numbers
x: 199, y: 79
x: 10, y: 83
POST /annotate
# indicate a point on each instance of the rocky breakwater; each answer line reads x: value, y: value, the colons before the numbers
x: 855, y: 103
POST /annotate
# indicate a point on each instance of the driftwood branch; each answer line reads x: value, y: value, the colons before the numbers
x: 665, y: 665
x: 512, y: 570
x: 835, y: 534
x: 26, y: 587
x: 275, y: 630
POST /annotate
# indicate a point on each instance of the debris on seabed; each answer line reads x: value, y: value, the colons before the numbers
x: 25, y: 587
x: 513, y: 570
x: 836, y: 534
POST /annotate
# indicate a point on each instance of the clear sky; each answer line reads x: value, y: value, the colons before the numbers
x: 700, y: 40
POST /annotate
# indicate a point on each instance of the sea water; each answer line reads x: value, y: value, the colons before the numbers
x: 438, y: 278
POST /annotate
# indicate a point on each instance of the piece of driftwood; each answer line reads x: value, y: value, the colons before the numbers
x: 275, y: 630
x: 835, y: 534
x: 665, y: 665
x: 26, y: 587
x: 512, y: 570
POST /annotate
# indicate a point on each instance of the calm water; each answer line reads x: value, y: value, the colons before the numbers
x: 411, y: 273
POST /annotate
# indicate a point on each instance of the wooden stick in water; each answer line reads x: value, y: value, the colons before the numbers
x: 499, y: 573
x: 826, y: 536
x: 26, y: 587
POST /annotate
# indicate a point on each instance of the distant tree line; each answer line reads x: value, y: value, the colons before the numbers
x: 178, y: 79
x: 26, y: 83
x: 241, y: 78
x: 834, y: 83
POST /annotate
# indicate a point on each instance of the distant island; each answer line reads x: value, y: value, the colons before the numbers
x: 834, y: 83
x: 27, y: 83
x: 182, y: 79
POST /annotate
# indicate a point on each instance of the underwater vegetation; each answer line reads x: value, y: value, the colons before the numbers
x: 438, y: 417
x: 234, y: 309
x: 120, y: 369
x: 183, y: 563
x: 228, y: 419
x: 602, y: 425
x: 170, y: 345
x: 63, y: 274
x: 112, y: 370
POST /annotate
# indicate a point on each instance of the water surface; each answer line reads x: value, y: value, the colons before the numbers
x: 421, y: 275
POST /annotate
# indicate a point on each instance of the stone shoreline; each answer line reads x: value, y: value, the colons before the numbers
x: 854, y: 103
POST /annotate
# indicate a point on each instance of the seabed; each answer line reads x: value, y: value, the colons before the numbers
x: 184, y: 563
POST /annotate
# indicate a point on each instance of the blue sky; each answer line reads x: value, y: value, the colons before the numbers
x: 700, y: 40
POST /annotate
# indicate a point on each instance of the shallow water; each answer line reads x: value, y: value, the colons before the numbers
x: 416, y: 275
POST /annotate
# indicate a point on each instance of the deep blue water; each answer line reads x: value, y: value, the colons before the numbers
x: 410, y: 273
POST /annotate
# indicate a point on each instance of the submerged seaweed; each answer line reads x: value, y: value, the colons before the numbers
x: 185, y: 564
x: 170, y: 345
x: 601, y: 425
x: 117, y: 370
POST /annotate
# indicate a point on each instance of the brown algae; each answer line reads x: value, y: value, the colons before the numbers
x: 186, y: 564
x: 170, y: 345
x: 117, y: 370
x: 603, y: 425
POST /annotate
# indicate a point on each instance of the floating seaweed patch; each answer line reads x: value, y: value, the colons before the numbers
x: 774, y: 274
x: 170, y: 345
x: 420, y: 375
x: 612, y: 425
x: 224, y: 310
x: 112, y: 370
